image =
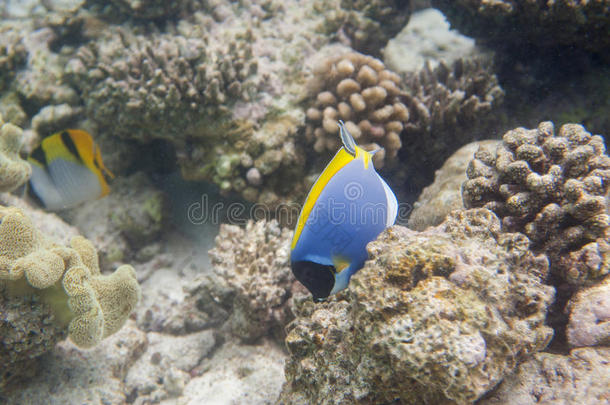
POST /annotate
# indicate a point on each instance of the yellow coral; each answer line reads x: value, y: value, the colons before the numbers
x: 97, y: 305
x: 14, y: 171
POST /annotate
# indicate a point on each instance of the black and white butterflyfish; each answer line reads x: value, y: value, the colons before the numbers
x: 67, y: 170
x: 348, y: 206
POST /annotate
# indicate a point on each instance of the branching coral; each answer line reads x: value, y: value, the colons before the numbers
x: 161, y: 85
x: 367, y: 24
x: 92, y: 305
x: 252, y: 282
x: 14, y: 171
x: 359, y: 90
x: 448, y: 106
x: 581, y: 24
x: 445, y: 313
x: 553, y: 188
x: 12, y: 54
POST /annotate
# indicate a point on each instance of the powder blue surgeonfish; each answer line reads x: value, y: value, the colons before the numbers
x: 348, y: 206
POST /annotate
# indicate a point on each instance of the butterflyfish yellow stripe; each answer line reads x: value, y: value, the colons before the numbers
x: 91, y: 156
x: 54, y: 148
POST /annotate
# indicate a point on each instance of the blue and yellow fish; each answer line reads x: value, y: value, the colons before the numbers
x: 67, y: 169
x: 348, y: 206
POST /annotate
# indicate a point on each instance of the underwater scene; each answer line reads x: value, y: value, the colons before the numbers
x: 304, y: 202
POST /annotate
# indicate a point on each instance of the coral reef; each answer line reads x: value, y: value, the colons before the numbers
x: 449, y: 106
x: 14, y: 171
x: 150, y: 8
x: 552, y: 187
x: 28, y: 329
x: 161, y: 85
x: 13, y: 54
x: 445, y: 193
x: 427, y: 38
x: 582, y: 377
x: 442, y: 314
x: 580, y: 24
x: 251, y: 284
x: 370, y: 24
x: 359, y: 90
x: 589, y: 311
x: 65, y: 286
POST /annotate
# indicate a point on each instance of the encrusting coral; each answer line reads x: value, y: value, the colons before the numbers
x: 12, y: 54
x: 359, y: 90
x: 92, y: 305
x: 589, y: 311
x: 442, y: 314
x: 14, y: 171
x: 553, y: 188
x: 251, y: 284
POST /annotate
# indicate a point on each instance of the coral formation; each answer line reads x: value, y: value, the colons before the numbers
x: 150, y: 8
x: 553, y: 188
x: 449, y: 106
x: 359, y: 90
x: 445, y: 193
x: 28, y: 329
x: 445, y: 313
x: 252, y: 283
x: 92, y: 305
x: 12, y: 54
x: 14, y: 171
x: 162, y: 85
x: 581, y: 24
x: 583, y: 377
x: 589, y: 311
x: 370, y: 24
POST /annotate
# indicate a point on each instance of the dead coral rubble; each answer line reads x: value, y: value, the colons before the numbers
x: 359, y: 90
x: 442, y: 314
x: 553, y: 188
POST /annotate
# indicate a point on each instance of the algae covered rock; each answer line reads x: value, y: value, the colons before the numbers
x: 442, y: 314
x: 589, y: 311
x: 14, y: 171
x: 60, y: 288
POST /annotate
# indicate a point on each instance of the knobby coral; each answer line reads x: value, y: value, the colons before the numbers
x: 359, y: 90
x: 553, y: 188
x: 445, y: 313
x: 14, y: 171
x: 251, y: 284
x: 67, y: 279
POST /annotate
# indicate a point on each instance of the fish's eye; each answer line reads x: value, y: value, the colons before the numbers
x: 318, y: 278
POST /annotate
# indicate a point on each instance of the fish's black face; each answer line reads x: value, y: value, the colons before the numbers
x: 318, y: 278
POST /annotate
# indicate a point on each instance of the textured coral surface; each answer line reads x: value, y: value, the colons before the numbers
x: 552, y: 187
x: 446, y: 313
x: 14, y: 171
x: 60, y: 290
x: 582, y: 24
x: 251, y: 283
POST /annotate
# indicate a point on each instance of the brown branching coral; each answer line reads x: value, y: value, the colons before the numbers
x: 582, y: 24
x: 552, y: 187
x: 446, y: 104
x: 365, y: 26
x: 166, y: 85
x: 359, y: 90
